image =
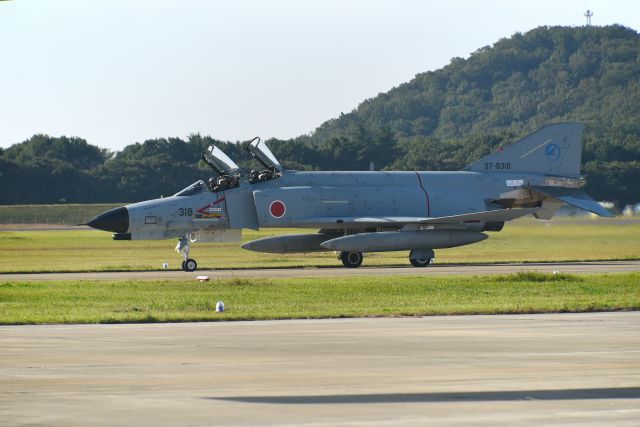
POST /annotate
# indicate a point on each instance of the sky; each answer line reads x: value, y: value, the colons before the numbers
x: 116, y: 72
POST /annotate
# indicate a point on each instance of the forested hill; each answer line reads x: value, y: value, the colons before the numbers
x: 440, y: 120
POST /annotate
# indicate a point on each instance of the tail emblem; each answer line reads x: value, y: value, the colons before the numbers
x: 552, y: 152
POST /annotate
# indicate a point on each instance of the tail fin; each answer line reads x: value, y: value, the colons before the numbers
x: 555, y: 149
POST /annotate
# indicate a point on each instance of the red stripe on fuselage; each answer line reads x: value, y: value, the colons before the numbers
x: 210, y: 205
x: 426, y: 194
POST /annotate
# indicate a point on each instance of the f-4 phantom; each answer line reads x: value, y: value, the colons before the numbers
x: 358, y: 212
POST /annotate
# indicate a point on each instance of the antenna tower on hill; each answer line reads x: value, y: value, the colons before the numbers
x: 588, y: 14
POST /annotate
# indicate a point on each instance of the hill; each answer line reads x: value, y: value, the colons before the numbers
x: 440, y: 120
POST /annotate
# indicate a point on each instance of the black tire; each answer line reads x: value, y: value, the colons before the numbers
x: 183, y: 268
x: 190, y: 265
x: 351, y: 259
x: 420, y: 262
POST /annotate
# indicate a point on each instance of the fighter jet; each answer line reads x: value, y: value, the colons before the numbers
x: 358, y: 212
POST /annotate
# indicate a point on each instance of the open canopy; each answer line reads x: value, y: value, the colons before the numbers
x: 261, y: 152
x: 219, y: 161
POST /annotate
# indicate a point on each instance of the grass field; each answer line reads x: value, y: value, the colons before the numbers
x: 182, y: 300
x: 525, y: 240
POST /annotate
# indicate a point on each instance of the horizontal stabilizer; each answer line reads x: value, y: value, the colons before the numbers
x: 573, y: 197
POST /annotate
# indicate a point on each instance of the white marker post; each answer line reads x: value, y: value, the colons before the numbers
x: 219, y: 307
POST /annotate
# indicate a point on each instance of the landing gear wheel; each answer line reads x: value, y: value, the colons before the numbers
x: 420, y: 262
x: 351, y: 259
x: 189, y: 265
x: 421, y: 258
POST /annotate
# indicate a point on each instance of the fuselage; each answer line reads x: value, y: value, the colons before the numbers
x: 320, y: 199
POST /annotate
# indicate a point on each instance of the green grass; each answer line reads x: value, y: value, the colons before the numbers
x: 526, y: 240
x: 182, y: 300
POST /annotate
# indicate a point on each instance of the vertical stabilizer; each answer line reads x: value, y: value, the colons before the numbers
x: 553, y: 150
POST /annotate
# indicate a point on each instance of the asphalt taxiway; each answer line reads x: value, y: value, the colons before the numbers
x: 554, y: 369
x: 433, y: 270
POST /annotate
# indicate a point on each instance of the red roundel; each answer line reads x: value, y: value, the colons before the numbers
x: 277, y: 209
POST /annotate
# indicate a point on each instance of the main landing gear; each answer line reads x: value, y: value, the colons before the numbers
x: 417, y: 257
x: 351, y: 259
x: 421, y: 258
x: 183, y: 246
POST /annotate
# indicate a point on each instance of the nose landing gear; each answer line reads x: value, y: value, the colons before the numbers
x: 183, y: 246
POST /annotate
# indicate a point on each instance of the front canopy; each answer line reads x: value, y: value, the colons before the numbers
x: 220, y: 162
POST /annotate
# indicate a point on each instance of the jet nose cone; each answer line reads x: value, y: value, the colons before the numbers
x: 116, y: 220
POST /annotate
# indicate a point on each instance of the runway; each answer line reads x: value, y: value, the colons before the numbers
x: 554, y: 369
x: 432, y: 270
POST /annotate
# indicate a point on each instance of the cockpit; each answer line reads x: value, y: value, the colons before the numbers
x: 262, y: 154
x: 228, y: 173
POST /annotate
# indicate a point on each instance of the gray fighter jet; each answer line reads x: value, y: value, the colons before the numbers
x: 358, y: 212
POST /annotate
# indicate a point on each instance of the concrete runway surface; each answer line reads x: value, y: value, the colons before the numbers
x: 432, y: 270
x: 552, y: 369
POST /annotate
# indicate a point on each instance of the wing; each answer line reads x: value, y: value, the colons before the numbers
x: 497, y: 215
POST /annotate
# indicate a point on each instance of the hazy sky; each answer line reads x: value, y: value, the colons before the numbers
x: 120, y: 71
